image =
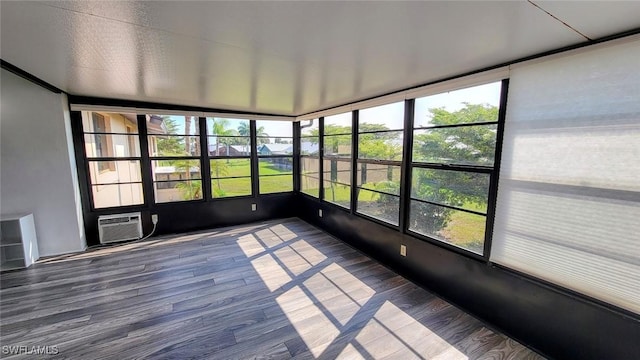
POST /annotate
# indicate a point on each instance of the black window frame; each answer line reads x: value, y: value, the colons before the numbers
x: 199, y: 158
x: 315, y: 157
x: 208, y: 158
x: 102, y: 160
x: 336, y: 159
x: 274, y: 158
x: 360, y: 162
x: 493, y: 172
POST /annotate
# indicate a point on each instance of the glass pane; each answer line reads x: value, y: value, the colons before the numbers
x: 337, y: 145
x: 227, y: 127
x: 274, y: 148
x: 310, y: 176
x: 110, y: 172
x: 455, y: 227
x: 174, y: 145
x: 180, y: 169
x: 337, y: 171
x: 338, y: 194
x: 380, y: 146
x: 465, y: 190
x: 274, y: 128
x: 310, y: 185
x: 309, y: 128
x: 229, y: 146
x: 338, y: 124
x: 385, y: 178
x: 385, y: 117
x: 172, y: 125
x: 274, y: 184
x: 117, y: 195
x: 102, y: 145
x: 471, y: 105
x: 106, y: 122
x: 310, y: 166
x: 231, y: 187
x: 468, y: 145
x: 230, y: 168
x: 275, y: 166
x: 380, y: 206
x: 177, y: 191
x: 309, y: 146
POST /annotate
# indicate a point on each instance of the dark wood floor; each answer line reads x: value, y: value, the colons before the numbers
x: 280, y: 289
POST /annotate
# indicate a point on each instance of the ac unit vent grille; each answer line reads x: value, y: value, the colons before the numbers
x: 121, y: 227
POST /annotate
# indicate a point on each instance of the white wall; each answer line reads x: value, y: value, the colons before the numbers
x: 38, y: 173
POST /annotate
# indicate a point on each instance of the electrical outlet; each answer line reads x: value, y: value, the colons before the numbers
x: 254, y: 207
x: 320, y: 212
x: 154, y: 218
x: 403, y: 250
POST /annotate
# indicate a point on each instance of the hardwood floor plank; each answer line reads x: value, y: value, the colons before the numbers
x: 271, y: 290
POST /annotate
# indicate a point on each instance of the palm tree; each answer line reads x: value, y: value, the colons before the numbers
x: 261, y: 136
x: 219, y: 128
x: 243, y: 128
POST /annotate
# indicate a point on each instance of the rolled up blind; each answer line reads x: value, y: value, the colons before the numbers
x: 568, y: 207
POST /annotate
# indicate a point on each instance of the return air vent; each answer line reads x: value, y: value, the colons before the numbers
x: 119, y: 227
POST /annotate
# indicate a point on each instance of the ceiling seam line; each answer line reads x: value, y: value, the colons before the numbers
x: 558, y: 19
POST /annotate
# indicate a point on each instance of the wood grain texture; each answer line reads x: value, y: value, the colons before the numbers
x: 274, y: 290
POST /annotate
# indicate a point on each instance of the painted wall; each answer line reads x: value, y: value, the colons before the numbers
x: 38, y: 172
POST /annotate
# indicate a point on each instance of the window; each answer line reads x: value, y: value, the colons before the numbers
x: 174, y: 149
x: 230, y: 157
x: 113, y: 155
x: 275, y: 152
x: 380, y: 137
x: 454, y: 144
x: 310, y: 158
x: 337, y: 159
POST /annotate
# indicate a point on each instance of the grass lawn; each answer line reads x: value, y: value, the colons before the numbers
x: 465, y: 229
x: 241, y: 185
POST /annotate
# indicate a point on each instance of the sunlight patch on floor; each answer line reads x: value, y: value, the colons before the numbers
x: 404, y: 337
x: 315, y: 329
x: 249, y: 245
x: 308, y: 252
x: 269, y: 238
x: 283, y: 232
x: 270, y: 272
x: 292, y: 260
x: 337, y: 303
x: 350, y: 352
x: 348, y: 283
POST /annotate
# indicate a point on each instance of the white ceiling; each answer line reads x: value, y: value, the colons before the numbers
x: 286, y: 58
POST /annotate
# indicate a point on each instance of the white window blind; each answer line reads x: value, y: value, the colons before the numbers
x: 568, y: 208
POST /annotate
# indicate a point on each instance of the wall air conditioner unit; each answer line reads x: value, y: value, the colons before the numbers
x: 119, y: 227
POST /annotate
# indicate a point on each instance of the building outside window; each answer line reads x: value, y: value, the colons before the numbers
x: 112, y: 149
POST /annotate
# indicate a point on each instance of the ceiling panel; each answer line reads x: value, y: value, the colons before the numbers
x: 282, y: 58
x: 596, y: 19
